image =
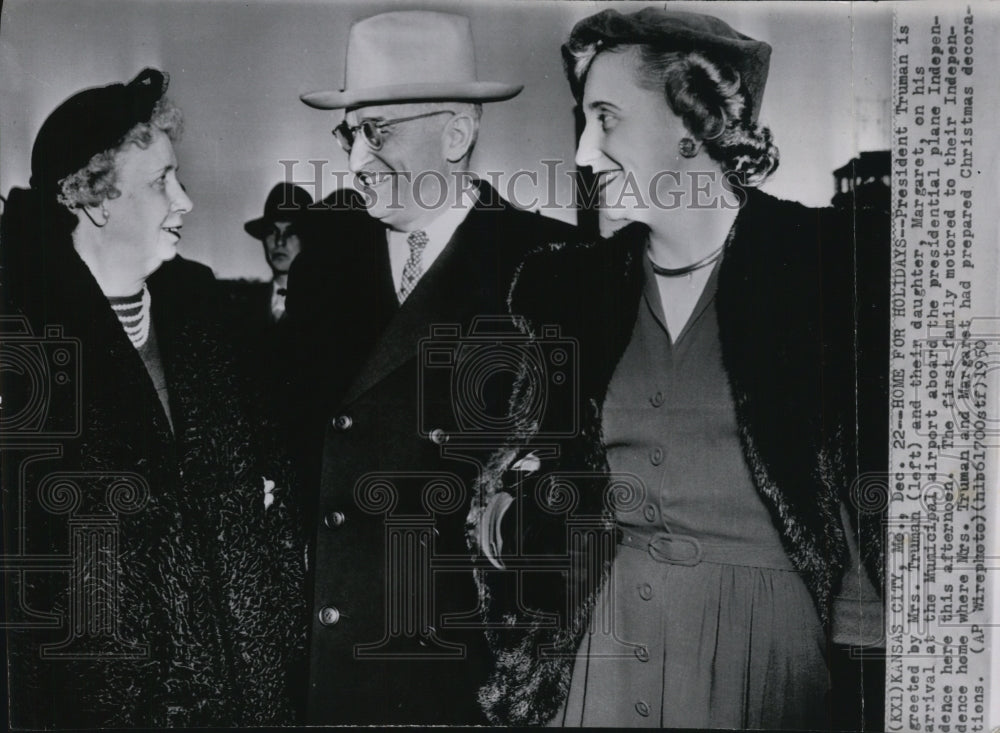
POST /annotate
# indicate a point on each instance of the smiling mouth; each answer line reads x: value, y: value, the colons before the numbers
x: 604, y: 179
x: 370, y: 179
x: 176, y: 231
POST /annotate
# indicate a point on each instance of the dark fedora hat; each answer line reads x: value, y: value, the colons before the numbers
x: 285, y: 202
x: 90, y: 122
x: 674, y: 30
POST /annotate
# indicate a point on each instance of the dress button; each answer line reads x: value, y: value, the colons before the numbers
x: 342, y: 422
x: 642, y: 708
x: 333, y: 520
x: 645, y: 591
x: 439, y: 436
x: 649, y: 513
x: 657, y: 399
x: 642, y: 654
x: 328, y: 615
x: 656, y: 456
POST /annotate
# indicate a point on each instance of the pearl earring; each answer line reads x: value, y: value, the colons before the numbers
x: 688, y: 147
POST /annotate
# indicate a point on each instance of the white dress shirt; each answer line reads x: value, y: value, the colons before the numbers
x: 277, y: 301
x: 439, y: 232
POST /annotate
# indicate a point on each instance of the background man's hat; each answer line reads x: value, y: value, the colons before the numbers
x: 410, y: 56
x: 285, y: 202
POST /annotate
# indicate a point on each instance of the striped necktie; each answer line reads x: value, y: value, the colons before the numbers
x: 414, y: 263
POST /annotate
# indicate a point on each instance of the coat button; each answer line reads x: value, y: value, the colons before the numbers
x: 649, y: 513
x: 657, y: 399
x: 642, y: 708
x: 642, y: 654
x: 428, y: 632
x: 645, y: 591
x: 342, y: 422
x: 656, y: 456
x: 439, y: 436
x: 328, y: 615
x: 333, y: 520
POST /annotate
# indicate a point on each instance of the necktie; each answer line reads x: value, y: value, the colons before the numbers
x: 414, y: 263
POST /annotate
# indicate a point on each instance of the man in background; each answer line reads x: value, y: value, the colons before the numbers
x: 279, y: 230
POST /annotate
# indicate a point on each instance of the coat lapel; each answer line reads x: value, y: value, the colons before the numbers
x: 447, y: 293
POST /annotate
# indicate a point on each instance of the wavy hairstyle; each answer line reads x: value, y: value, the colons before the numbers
x: 95, y: 182
x: 708, y: 96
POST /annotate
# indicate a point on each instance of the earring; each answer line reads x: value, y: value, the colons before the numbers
x: 688, y: 147
x: 98, y: 224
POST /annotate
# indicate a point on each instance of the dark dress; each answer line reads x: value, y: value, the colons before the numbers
x: 801, y: 313
x: 704, y: 621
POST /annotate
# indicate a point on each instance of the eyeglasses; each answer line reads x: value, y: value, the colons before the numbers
x: 372, y: 129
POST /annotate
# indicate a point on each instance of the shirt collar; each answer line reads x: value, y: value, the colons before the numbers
x: 440, y: 231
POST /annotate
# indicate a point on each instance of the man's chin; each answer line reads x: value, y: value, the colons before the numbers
x: 389, y: 217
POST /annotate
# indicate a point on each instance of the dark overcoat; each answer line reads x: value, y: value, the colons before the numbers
x: 803, y: 322
x: 148, y: 584
x: 395, y: 635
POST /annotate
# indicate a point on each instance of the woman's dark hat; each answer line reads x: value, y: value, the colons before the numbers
x: 679, y: 31
x: 90, y: 122
x: 286, y: 202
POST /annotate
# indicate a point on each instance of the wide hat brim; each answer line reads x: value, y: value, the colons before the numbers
x: 261, y: 227
x: 473, y: 91
x: 258, y: 228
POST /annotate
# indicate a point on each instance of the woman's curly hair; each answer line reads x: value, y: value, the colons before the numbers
x: 95, y: 182
x: 708, y: 96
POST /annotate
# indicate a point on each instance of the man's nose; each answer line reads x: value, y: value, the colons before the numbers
x: 360, y: 154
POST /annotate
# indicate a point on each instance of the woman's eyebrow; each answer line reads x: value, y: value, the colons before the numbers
x: 599, y: 103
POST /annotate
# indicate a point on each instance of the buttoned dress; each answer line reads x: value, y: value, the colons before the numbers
x: 704, y: 621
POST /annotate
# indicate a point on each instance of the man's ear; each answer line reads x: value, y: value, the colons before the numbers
x: 459, y: 134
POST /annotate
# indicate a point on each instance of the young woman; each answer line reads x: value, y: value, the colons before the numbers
x: 702, y: 505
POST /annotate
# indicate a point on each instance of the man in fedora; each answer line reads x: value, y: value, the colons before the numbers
x: 394, y: 633
x: 252, y: 311
x: 281, y: 232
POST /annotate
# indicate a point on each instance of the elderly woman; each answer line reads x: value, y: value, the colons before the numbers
x: 189, y: 612
x: 699, y: 513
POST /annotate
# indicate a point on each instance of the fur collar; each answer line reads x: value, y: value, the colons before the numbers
x: 785, y: 305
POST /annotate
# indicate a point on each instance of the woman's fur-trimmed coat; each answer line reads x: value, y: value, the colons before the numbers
x: 802, y: 309
x: 208, y: 608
